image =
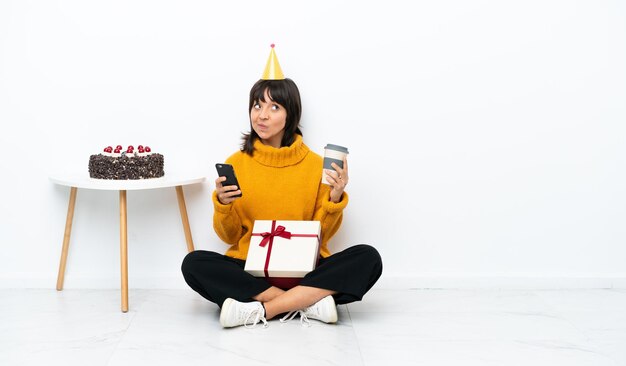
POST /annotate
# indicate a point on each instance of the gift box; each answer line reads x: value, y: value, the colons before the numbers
x: 283, y: 251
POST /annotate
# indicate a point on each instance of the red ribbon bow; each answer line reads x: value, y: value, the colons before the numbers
x: 279, y: 231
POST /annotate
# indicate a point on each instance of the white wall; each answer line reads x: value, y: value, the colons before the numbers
x: 487, y: 138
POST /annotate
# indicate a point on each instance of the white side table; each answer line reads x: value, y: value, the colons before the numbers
x: 84, y: 181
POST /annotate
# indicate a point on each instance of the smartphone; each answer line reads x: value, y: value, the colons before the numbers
x: 226, y: 170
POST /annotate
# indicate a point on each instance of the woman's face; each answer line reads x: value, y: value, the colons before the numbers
x: 268, y: 120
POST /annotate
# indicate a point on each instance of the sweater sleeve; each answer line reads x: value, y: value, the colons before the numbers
x: 226, y: 221
x: 329, y: 214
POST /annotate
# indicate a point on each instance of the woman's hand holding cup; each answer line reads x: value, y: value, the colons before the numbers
x: 335, y: 170
x: 338, y: 180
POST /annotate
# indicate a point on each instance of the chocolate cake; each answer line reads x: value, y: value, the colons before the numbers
x: 129, y: 164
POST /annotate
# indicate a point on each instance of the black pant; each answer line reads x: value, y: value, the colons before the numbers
x: 351, y: 273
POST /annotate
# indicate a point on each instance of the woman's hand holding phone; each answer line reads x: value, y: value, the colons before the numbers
x: 226, y: 184
x: 226, y: 194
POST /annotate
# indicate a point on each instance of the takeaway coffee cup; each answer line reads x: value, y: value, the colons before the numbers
x: 333, y: 154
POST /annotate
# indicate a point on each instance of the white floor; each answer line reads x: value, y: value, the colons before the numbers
x: 412, y: 327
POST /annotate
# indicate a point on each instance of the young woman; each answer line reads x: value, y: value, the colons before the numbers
x: 281, y: 180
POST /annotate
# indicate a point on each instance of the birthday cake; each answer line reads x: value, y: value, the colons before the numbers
x: 129, y: 164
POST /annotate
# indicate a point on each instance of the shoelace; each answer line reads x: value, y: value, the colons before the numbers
x: 304, y: 320
x: 257, y: 317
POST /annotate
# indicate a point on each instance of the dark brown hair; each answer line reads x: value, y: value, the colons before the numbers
x: 284, y: 92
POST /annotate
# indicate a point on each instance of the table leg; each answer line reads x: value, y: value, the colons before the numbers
x: 66, y: 238
x: 124, y: 250
x: 184, y: 217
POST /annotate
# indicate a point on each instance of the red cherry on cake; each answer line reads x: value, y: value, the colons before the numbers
x: 147, y: 148
x: 129, y: 150
x: 117, y: 151
x: 118, y: 147
x: 108, y: 149
x: 140, y: 149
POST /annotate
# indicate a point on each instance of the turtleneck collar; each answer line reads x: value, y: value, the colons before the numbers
x: 281, y: 157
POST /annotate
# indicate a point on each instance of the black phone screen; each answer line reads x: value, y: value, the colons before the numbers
x: 226, y: 170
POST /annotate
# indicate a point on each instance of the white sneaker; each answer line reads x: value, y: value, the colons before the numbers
x: 248, y: 314
x: 324, y: 310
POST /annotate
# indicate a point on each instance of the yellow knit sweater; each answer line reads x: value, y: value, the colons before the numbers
x: 277, y: 184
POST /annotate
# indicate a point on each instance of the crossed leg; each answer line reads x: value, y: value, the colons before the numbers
x: 277, y: 301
